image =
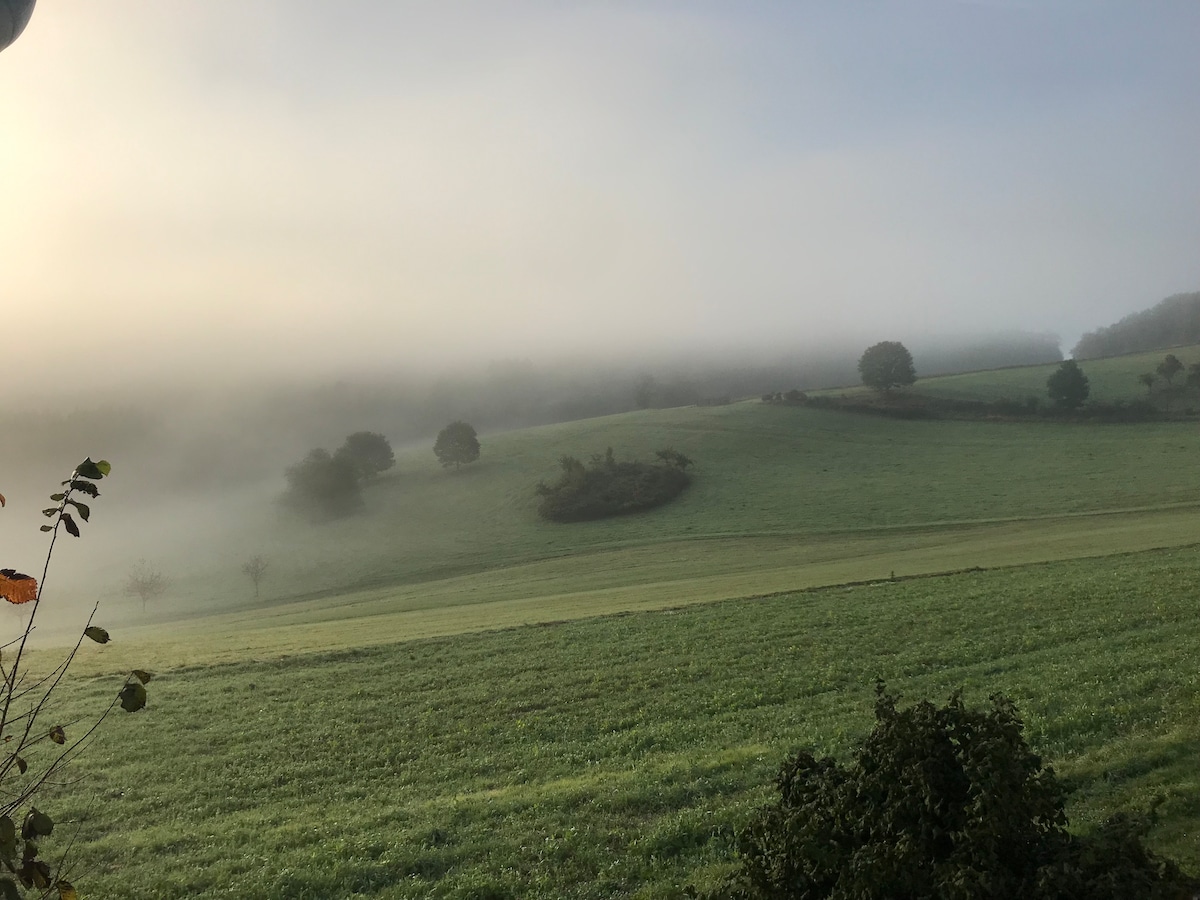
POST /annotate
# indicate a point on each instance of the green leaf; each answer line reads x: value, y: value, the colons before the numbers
x: 57, y: 498
x: 142, y: 676
x: 22, y: 766
x: 35, y: 873
x: 46, y: 528
x: 58, y: 735
x: 50, y: 511
x: 8, y: 839
x: 96, y: 633
x: 93, y: 470
x: 8, y: 889
x: 132, y: 697
x: 84, y: 487
x: 72, y: 528
x: 36, y: 824
x: 83, y: 509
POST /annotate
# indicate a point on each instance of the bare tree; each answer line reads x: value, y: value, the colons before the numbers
x: 146, y: 582
x: 254, y: 568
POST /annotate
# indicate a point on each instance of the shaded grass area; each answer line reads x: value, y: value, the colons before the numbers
x: 615, y: 756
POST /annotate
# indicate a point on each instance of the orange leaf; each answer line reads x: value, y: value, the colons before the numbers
x: 17, y: 588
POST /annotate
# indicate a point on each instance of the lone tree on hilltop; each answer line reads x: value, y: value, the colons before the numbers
x: 1068, y: 386
x: 1169, y: 367
x: 886, y: 365
x: 369, y: 453
x: 456, y: 444
x: 323, y: 487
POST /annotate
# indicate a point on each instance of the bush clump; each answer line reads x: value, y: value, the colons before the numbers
x: 938, y: 803
x: 606, y: 487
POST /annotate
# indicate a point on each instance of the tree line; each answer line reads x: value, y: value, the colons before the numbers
x: 1169, y: 323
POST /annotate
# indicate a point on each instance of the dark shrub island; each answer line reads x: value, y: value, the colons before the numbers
x: 606, y: 487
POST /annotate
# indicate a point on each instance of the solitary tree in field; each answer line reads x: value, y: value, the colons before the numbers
x: 1148, y: 379
x: 255, y: 568
x: 146, y: 583
x: 886, y: 365
x: 368, y: 452
x: 1068, y: 386
x: 456, y: 444
x: 1169, y: 367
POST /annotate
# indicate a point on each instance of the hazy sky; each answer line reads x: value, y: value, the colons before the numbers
x: 199, y: 185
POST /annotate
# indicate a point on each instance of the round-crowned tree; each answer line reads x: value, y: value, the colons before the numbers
x: 886, y: 365
x: 368, y: 452
x: 456, y: 444
x: 323, y: 487
x: 1068, y: 386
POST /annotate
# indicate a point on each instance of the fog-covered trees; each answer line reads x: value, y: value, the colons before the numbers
x: 322, y: 486
x: 886, y: 365
x: 369, y: 452
x: 1068, y: 386
x: 456, y: 444
x: 1170, y: 323
x: 146, y: 582
x: 1169, y: 368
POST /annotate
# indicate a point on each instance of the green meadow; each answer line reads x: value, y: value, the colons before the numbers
x: 447, y: 697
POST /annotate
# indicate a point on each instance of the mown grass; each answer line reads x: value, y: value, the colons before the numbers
x: 616, y: 756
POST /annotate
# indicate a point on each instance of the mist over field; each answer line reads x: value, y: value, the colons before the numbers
x: 206, y: 192
x: 596, y: 276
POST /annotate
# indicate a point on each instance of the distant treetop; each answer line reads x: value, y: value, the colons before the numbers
x: 886, y: 365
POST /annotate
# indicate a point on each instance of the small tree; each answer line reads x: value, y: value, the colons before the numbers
x: 1193, y: 375
x: 456, y: 444
x: 1068, y: 386
x: 146, y: 583
x: 368, y: 452
x: 26, y: 772
x: 323, y: 487
x: 1148, y: 379
x: 938, y: 803
x: 1169, y: 367
x: 255, y: 568
x: 886, y: 365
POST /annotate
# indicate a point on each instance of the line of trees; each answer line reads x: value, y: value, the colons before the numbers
x: 1169, y: 323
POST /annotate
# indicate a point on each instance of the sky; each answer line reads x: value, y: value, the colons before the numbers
x: 208, y: 188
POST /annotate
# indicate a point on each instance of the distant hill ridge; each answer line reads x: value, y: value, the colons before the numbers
x: 1170, y: 323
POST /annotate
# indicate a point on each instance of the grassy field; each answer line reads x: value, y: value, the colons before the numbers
x: 615, y: 756
x: 448, y: 697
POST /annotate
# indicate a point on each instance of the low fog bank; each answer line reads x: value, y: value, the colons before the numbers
x: 188, y: 461
x: 194, y: 438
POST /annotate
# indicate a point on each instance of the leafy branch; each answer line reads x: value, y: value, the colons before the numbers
x: 24, y: 709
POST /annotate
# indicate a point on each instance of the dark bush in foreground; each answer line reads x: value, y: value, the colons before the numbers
x: 938, y: 803
x: 610, y: 488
